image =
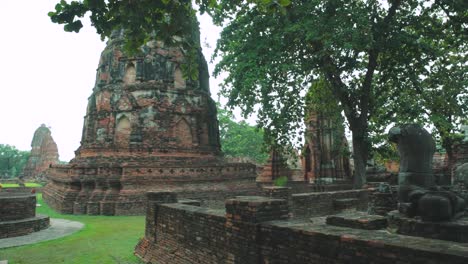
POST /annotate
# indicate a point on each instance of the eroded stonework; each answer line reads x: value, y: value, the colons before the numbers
x: 147, y: 128
x: 275, y: 167
x: 44, y: 153
x: 323, y: 155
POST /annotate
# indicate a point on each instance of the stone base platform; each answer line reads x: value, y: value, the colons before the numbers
x: 358, y: 220
x: 109, y: 189
x: 23, y: 227
x: 456, y: 231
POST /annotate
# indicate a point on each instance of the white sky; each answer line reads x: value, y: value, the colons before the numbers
x: 47, y: 74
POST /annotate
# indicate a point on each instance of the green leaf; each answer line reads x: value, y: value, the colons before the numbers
x: 284, y: 2
x: 58, y: 8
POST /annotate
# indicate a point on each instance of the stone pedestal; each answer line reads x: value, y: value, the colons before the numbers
x: 456, y: 230
x: 358, y: 220
x: 18, y: 215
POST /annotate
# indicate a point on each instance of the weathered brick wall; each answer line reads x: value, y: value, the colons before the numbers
x: 282, y: 243
x: 381, y: 203
x: 17, y: 206
x: 331, y: 187
x: 325, y: 203
x: 178, y: 233
x: 306, y: 187
x: 23, y: 227
x: 120, y: 190
x: 256, y: 230
x: 18, y: 215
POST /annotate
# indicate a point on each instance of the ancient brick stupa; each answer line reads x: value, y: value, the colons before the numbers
x: 147, y: 128
x: 44, y: 153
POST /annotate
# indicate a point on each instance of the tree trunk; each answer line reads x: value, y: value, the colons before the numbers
x: 360, y: 153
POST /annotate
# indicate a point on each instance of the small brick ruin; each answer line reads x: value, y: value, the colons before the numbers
x: 275, y: 167
x: 460, y: 156
x: 322, y: 161
x: 147, y: 128
x: 44, y: 153
x: 255, y: 229
x: 18, y: 215
x: 323, y: 158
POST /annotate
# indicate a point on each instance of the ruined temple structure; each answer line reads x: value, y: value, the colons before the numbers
x: 44, y: 153
x: 147, y: 128
x: 317, y: 227
x: 460, y: 150
x: 323, y: 153
x: 275, y: 167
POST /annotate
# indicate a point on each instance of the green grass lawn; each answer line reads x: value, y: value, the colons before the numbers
x: 14, y: 185
x: 104, y: 239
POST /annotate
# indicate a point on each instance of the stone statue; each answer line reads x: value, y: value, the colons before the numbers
x: 417, y: 192
x: 465, y: 129
x: 461, y: 174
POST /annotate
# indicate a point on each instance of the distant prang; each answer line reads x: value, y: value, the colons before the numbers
x: 44, y: 153
x: 147, y: 128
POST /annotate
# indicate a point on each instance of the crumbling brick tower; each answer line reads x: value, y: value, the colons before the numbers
x: 323, y: 156
x: 44, y: 153
x: 147, y: 128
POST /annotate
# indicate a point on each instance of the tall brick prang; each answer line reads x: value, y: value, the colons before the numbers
x: 323, y: 150
x: 44, y: 153
x: 147, y: 128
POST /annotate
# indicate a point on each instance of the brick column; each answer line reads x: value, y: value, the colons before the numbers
x: 243, y: 217
x: 155, y: 198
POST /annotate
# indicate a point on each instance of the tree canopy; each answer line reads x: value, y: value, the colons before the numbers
x: 239, y: 139
x: 12, y: 161
x: 364, y: 49
x: 435, y: 91
x: 143, y: 19
x: 369, y: 51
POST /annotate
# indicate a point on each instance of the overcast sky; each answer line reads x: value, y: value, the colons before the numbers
x: 48, y: 74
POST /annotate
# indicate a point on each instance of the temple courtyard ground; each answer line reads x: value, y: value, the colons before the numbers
x: 102, y: 240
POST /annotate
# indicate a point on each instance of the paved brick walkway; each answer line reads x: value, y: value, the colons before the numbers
x: 58, y: 228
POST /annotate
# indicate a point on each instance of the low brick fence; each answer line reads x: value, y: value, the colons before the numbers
x: 327, y: 203
x: 255, y: 230
x: 21, y: 189
x: 306, y: 187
